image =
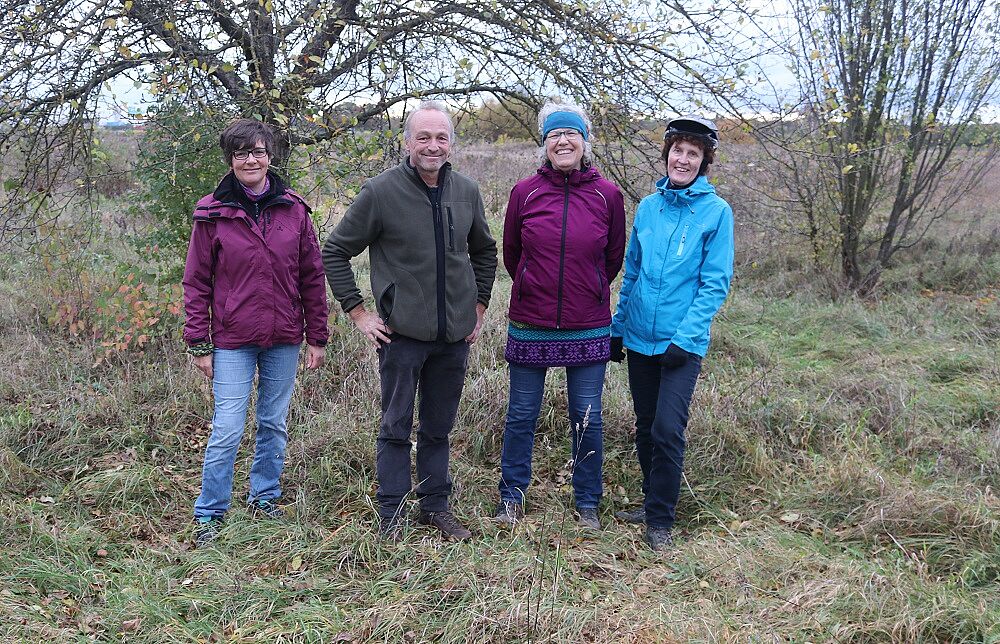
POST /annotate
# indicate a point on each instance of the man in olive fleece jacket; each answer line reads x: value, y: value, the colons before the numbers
x: 432, y: 267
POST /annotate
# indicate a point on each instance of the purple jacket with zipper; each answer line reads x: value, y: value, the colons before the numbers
x: 254, y: 282
x: 563, y: 244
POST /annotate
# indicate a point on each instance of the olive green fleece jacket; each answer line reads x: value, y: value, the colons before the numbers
x: 420, y: 256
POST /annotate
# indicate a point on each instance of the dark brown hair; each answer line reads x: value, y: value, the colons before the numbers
x: 693, y: 139
x: 243, y: 134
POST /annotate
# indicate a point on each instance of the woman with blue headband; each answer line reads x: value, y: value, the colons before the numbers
x: 563, y: 244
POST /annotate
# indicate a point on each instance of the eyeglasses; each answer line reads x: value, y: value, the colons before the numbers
x: 571, y: 135
x: 258, y: 153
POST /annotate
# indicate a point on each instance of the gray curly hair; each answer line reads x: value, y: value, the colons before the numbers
x: 553, y: 106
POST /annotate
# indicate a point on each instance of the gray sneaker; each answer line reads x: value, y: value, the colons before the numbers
x: 659, y: 538
x: 587, y: 518
x: 635, y: 515
x: 446, y: 522
x: 206, y: 531
x: 509, y: 512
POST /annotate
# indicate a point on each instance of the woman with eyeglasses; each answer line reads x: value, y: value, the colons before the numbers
x: 563, y: 244
x: 677, y: 274
x: 253, y: 285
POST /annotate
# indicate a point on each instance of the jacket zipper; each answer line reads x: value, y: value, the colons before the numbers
x: 562, y: 253
x: 451, y: 231
x: 442, y: 322
x: 600, y: 285
x: 520, y: 286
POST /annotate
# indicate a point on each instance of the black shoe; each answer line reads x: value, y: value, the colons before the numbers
x: 587, y: 518
x: 635, y: 515
x: 509, y: 512
x: 659, y: 538
x: 206, y: 532
x: 265, y: 509
x: 391, y: 528
x: 446, y: 522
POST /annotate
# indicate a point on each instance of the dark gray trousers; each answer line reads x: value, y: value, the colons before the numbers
x: 438, y: 370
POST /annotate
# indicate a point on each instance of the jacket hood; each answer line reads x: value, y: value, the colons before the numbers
x: 700, y: 187
x: 230, y: 190
x: 576, y: 177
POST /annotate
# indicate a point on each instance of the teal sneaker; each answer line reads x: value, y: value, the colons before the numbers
x: 206, y: 531
x: 265, y: 509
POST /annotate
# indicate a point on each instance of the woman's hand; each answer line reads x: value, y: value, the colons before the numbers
x: 315, y: 357
x: 204, y: 365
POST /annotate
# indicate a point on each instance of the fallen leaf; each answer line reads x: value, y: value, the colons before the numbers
x: 131, y: 625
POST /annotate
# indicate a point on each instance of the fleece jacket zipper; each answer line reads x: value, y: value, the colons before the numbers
x: 442, y: 320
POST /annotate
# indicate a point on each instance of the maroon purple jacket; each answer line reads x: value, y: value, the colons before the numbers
x: 563, y: 244
x: 250, y: 281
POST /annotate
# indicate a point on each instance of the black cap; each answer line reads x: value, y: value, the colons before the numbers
x: 696, y: 126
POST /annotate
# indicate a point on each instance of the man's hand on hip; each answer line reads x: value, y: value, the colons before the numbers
x: 371, y: 325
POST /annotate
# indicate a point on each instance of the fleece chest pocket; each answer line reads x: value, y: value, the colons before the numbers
x: 457, y: 221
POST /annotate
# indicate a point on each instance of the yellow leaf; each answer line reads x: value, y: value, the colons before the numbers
x: 168, y: 26
x: 846, y: 169
x: 814, y: 54
x: 295, y: 563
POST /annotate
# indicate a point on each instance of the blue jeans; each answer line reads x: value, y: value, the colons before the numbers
x: 584, y: 385
x: 661, y: 398
x: 231, y: 385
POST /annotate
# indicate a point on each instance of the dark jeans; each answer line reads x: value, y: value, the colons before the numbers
x: 583, y: 385
x: 661, y: 398
x: 438, y: 369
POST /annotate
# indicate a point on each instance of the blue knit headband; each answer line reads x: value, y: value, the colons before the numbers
x: 564, y: 119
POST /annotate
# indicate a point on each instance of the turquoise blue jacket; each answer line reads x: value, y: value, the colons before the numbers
x: 677, y: 269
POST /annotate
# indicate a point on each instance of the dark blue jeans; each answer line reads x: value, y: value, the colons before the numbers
x: 584, y: 385
x: 438, y: 370
x: 661, y: 398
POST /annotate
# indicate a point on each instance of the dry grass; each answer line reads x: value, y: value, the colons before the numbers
x: 841, y: 486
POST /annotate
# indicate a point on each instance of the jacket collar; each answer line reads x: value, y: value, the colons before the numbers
x: 415, y: 176
x: 700, y: 187
x: 576, y: 177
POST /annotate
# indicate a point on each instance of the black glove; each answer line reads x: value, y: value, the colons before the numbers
x: 674, y: 357
x: 617, y: 349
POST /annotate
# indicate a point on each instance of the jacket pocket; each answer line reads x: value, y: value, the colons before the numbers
x: 451, y: 230
x: 679, y: 249
x: 600, y: 285
x: 521, y: 276
x: 386, y: 299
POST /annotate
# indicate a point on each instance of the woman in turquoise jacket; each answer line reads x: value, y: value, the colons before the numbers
x: 677, y: 272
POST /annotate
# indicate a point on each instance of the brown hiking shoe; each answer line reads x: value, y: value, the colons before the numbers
x: 445, y: 522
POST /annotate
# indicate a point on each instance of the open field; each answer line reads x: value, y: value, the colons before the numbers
x: 842, y: 473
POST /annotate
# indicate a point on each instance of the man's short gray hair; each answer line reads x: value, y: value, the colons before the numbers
x: 437, y: 106
x: 553, y: 106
